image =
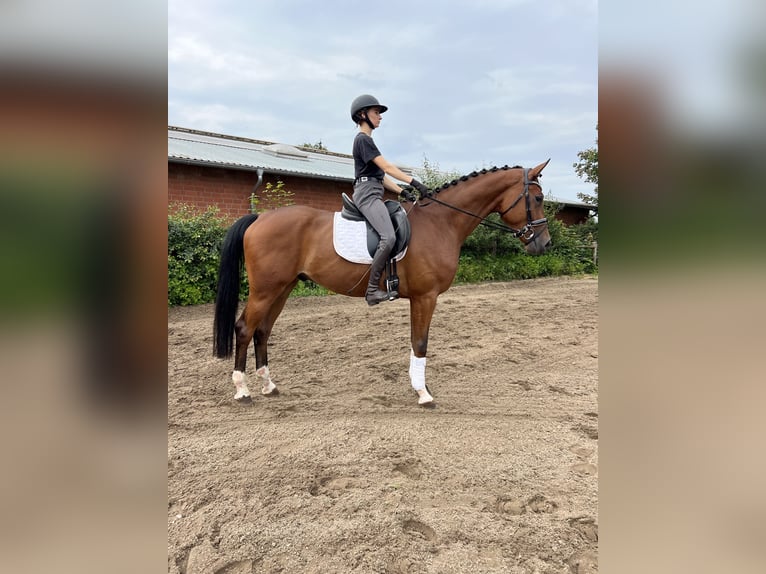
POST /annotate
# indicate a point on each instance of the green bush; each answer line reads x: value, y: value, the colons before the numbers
x: 194, y: 244
x: 490, y: 241
x: 308, y: 288
x: 490, y: 254
x: 271, y: 197
x: 472, y: 269
x: 194, y: 251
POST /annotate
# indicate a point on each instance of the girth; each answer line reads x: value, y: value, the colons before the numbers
x: 398, y: 218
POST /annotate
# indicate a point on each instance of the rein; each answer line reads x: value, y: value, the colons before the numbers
x: 519, y: 233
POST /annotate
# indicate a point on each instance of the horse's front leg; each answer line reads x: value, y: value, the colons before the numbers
x: 421, y: 312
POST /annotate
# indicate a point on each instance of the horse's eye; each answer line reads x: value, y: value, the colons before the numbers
x: 539, y: 198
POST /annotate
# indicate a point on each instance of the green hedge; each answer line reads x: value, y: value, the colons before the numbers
x: 509, y: 267
x: 195, y: 238
x: 194, y: 245
x: 493, y: 255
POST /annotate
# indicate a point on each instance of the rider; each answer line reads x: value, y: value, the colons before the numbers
x: 370, y: 182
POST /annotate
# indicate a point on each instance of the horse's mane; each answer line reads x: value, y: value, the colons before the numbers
x: 474, y: 174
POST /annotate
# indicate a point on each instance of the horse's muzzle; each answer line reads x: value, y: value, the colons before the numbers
x: 539, y: 244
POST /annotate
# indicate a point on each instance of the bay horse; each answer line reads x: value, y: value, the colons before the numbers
x: 283, y: 246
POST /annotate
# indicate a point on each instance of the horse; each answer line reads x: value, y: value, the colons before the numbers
x: 293, y: 243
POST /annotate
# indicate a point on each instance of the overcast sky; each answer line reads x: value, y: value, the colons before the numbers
x: 468, y: 84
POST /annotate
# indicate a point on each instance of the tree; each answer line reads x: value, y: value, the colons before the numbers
x: 431, y: 176
x: 272, y: 197
x: 587, y: 168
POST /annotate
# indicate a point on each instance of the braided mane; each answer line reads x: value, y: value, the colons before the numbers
x: 474, y: 174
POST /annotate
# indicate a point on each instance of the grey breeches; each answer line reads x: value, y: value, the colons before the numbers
x: 368, y: 197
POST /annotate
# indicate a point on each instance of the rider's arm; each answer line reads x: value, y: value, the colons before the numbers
x: 392, y: 170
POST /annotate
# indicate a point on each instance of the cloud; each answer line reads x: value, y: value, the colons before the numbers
x: 465, y: 84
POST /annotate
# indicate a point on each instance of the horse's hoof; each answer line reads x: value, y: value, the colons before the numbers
x: 269, y: 389
x: 428, y: 405
x: 425, y: 399
x: 246, y: 400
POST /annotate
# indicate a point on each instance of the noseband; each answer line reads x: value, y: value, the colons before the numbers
x: 527, y: 233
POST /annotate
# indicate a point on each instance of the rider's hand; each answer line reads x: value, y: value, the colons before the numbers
x: 408, y: 196
x: 424, y: 192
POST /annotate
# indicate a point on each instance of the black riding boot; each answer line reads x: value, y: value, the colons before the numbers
x: 374, y: 294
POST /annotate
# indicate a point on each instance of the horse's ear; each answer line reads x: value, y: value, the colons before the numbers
x: 535, y: 171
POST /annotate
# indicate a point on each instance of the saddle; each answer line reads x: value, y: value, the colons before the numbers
x: 398, y: 219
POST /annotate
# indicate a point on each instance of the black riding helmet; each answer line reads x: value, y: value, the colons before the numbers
x: 363, y: 102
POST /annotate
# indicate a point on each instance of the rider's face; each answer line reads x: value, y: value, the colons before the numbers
x: 374, y: 116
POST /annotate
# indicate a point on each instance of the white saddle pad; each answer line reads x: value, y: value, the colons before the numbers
x: 350, y: 240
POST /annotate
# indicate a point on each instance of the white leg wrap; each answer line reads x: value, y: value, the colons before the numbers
x: 418, y: 379
x: 417, y: 371
x: 267, y: 385
x: 239, y: 382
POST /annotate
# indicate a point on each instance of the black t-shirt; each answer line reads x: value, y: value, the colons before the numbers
x: 365, y: 151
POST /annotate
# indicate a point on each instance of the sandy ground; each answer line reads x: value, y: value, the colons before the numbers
x: 343, y: 472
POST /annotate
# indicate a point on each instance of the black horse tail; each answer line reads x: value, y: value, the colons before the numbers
x: 227, y: 297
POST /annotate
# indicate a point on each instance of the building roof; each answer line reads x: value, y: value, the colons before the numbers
x: 570, y: 202
x: 205, y: 148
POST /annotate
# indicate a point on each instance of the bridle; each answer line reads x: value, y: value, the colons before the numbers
x: 531, y: 224
x: 527, y: 233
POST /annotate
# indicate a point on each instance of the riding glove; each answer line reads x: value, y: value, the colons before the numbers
x: 408, y: 196
x: 424, y: 192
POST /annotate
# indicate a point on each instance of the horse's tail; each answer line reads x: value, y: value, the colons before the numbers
x: 227, y: 297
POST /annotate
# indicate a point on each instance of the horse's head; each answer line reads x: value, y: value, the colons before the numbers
x: 521, y: 207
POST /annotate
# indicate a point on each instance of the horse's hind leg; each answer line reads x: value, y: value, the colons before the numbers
x: 252, y: 315
x: 256, y: 322
x: 243, y: 335
x: 262, y: 333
